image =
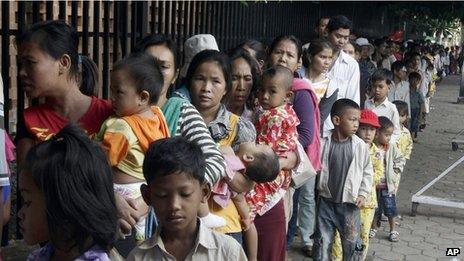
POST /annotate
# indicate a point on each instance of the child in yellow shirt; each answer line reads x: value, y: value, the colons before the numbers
x: 368, y: 125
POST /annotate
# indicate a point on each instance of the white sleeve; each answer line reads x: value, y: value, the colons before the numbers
x: 353, y: 85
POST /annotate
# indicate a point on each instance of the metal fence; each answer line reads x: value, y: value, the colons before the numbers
x: 109, y: 30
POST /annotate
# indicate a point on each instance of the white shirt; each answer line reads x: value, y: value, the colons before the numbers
x: 386, y: 109
x: 387, y: 62
x: 209, y: 245
x: 344, y: 76
x: 400, y: 92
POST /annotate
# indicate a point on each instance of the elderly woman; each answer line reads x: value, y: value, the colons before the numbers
x: 244, y: 83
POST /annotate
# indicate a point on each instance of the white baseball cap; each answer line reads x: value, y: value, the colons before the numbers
x: 194, y: 45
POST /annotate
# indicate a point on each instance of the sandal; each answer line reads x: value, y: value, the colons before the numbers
x: 394, y: 236
x: 372, y: 233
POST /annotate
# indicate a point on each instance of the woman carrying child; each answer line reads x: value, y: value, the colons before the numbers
x: 68, y: 196
x: 183, y: 118
x: 286, y: 51
x: 208, y: 80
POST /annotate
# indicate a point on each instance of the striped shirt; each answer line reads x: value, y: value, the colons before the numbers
x: 193, y: 128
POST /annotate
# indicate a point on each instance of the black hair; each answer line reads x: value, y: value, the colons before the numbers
x: 57, y: 38
x: 210, y: 56
x: 385, y: 123
x: 264, y: 167
x: 75, y: 177
x: 340, y: 106
x: 89, y: 81
x: 339, y: 21
x: 318, y: 22
x: 145, y: 72
x: 279, y: 70
x: 402, y: 107
x: 244, y: 54
x: 378, y: 42
x: 171, y: 156
x: 382, y: 75
x: 257, y: 46
x: 314, y: 48
x: 414, y: 76
x: 291, y: 38
x: 397, y: 65
x: 158, y: 40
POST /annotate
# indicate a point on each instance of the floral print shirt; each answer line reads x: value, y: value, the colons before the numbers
x: 277, y: 128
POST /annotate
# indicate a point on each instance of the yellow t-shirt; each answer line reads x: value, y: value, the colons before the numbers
x: 404, y: 143
x: 125, y: 140
x: 377, y: 164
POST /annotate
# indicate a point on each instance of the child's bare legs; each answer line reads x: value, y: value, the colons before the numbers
x: 249, y: 230
x: 208, y: 219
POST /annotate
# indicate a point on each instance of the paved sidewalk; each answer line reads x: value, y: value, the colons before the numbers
x: 434, y: 229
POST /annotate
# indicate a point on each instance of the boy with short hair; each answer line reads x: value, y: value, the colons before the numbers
x: 368, y: 125
x: 388, y: 186
x: 400, y: 87
x: 381, y: 80
x: 174, y: 170
x: 416, y: 102
x: 404, y: 142
x: 344, y: 183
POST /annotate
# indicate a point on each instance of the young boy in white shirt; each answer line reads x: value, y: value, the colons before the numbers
x: 381, y: 80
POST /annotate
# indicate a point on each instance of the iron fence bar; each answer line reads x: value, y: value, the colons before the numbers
x: 125, y: 25
x: 134, y: 25
x: 21, y: 15
x: 62, y: 10
x: 143, y: 19
x: 106, y: 48
x: 49, y: 10
x: 6, y: 62
x: 35, y: 12
x: 96, y: 31
x: 74, y: 15
x: 116, y: 14
x: 85, y: 28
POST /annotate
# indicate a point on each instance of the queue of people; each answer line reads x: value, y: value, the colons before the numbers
x: 197, y: 161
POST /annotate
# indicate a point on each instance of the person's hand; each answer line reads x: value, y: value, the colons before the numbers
x: 130, y: 211
x: 360, y: 201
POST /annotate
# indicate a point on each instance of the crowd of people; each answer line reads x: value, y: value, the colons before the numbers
x: 223, y: 157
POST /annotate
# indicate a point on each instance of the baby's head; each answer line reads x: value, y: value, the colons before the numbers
x: 381, y: 80
x: 136, y: 84
x: 368, y: 124
x: 275, y: 87
x: 403, y: 111
x: 261, y: 162
x: 67, y: 187
x: 384, y: 133
x: 414, y: 80
x: 174, y: 170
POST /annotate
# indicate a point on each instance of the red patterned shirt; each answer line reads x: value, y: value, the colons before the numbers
x: 277, y: 128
